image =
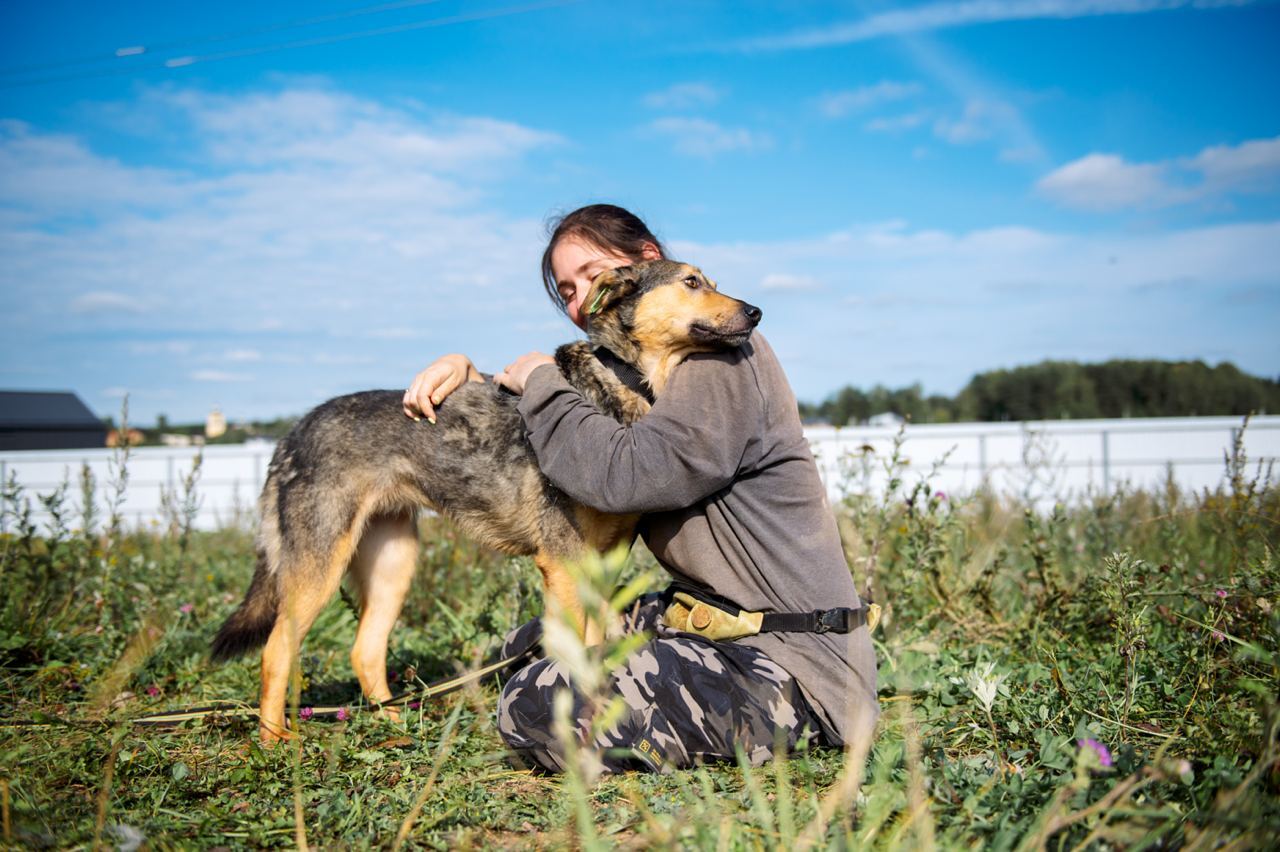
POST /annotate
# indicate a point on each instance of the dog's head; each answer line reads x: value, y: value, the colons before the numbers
x: 661, y: 309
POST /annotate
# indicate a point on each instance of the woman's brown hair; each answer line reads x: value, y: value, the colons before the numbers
x: 605, y: 226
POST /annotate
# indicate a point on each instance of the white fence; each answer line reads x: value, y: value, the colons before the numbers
x: 230, y: 477
x: 1048, y: 460
x: 1040, y: 461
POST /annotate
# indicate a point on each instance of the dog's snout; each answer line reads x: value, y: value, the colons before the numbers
x: 752, y: 313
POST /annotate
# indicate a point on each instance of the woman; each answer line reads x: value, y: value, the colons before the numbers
x: 732, y: 505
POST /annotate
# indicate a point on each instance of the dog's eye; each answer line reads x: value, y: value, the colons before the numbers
x: 692, y: 282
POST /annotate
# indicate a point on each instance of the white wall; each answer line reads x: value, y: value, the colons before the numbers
x: 1046, y: 460
x: 1067, y: 459
x: 230, y: 477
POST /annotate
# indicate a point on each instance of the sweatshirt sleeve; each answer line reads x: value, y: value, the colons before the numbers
x: 692, y: 442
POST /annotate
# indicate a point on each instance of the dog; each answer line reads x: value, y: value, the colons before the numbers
x: 344, y: 486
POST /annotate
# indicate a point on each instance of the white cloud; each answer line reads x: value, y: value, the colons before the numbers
x: 962, y: 301
x: 980, y: 120
x: 988, y: 110
x: 683, y: 96
x: 332, y: 359
x: 837, y: 104
x: 320, y: 127
x: 106, y: 302
x: 940, y: 16
x: 1023, y: 154
x: 1250, y: 166
x: 785, y: 281
x: 395, y: 333
x: 336, y: 257
x: 283, y: 224
x: 45, y: 174
x: 699, y: 137
x: 160, y: 347
x: 897, y: 123
x: 989, y: 118
x: 294, y: 221
x: 1100, y: 181
x: 1105, y: 181
x: 218, y: 376
x: 242, y: 356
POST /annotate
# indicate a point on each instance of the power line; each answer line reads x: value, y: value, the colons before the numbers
x: 140, y: 49
x: 398, y: 28
x: 183, y: 61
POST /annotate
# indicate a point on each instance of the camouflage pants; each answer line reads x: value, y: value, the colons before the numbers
x: 687, y: 700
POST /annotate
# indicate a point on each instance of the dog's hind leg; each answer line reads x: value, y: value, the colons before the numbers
x: 315, y: 580
x: 383, y: 569
x: 298, y: 612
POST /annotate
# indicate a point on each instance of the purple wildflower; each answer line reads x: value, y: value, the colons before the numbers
x: 414, y: 705
x: 1103, y: 753
x: 153, y: 690
x: 186, y: 608
x: 305, y: 713
x: 1222, y: 593
x: 941, y: 495
x: 342, y: 714
x: 1219, y: 635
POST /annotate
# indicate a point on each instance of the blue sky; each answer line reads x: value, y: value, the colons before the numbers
x: 271, y: 204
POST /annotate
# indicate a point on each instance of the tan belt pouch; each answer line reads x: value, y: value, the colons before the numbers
x: 690, y: 615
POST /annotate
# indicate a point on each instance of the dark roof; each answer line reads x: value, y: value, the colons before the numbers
x: 45, y: 410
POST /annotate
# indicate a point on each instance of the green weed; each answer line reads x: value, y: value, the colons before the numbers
x: 1102, y: 675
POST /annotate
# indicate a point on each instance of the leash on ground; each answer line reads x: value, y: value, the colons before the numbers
x: 240, y: 710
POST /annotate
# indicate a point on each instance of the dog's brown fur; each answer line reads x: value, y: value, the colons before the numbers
x: 344, y: 485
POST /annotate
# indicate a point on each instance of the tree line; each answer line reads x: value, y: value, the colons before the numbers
x: 1054, y: 390
x: 237, y: 433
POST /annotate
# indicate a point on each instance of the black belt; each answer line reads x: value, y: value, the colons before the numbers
x: 839, y: 620
x: 695, y: 610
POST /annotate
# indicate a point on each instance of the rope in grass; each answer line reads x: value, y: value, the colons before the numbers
x: 240, y: 710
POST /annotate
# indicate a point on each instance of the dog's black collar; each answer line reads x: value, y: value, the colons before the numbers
x: 626, y: 373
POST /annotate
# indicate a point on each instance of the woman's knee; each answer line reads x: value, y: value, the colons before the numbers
x: 526, y: 714
x: 526, y: 638
x: 639, y: 736
x: 681, y: 702
x: 712, y: 700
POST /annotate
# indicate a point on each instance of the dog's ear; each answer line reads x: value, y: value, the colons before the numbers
x: 610, y: 286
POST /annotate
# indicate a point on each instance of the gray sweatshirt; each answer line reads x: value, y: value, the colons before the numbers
x: 732, y: 501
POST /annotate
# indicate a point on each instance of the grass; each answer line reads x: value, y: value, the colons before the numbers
x: 1102, y: 675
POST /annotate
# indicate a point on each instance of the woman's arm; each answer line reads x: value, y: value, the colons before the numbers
x: 700, y: 432
x: 432, y: 385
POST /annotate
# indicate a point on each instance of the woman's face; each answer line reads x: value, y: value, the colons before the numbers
x: 576, y: 263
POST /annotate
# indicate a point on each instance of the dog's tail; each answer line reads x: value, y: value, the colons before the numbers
x: 249, y: 626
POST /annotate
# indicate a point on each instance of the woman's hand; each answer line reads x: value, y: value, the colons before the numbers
x: 433, y: 384
x: 518, y: 371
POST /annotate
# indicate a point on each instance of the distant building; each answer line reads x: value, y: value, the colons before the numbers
x: 48, y: 420
x: 215, y: 425
x: 135, y: 436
